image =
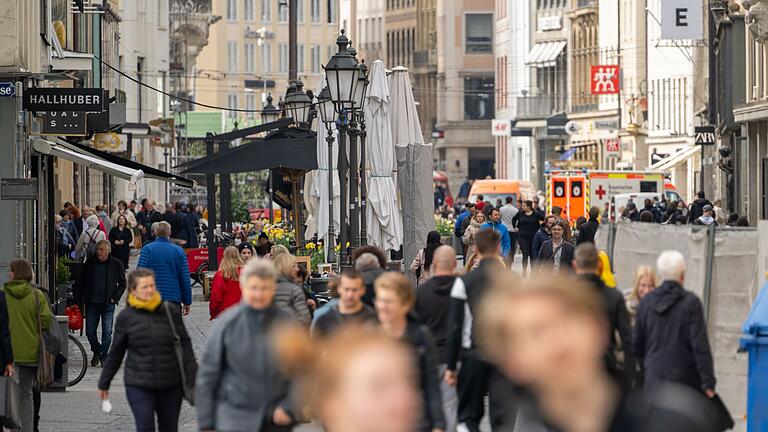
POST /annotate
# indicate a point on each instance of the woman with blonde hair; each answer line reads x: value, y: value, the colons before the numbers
x: 225, y: 290
x: 276, y: 250
x: 86, y: 244
x: 289, y: 296
x: 645, y: 282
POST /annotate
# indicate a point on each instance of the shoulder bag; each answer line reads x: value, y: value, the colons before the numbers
x: 188, y: 390
x: 46, y: 358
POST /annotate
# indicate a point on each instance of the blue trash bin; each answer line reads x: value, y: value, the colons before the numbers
x: 755, y: 343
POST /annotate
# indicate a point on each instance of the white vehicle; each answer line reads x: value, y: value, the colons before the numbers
x: 620, y: 201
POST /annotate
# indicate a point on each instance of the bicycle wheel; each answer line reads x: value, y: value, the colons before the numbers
x: 77, y: 361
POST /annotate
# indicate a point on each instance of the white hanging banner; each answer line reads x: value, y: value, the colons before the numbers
x: 682, y: 19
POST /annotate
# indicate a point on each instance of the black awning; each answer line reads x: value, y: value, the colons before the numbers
x: 149, y: 172
x: 286, y: 148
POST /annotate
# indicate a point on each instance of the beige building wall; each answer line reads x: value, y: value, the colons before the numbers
x: 467, y: 147
x: 247, y: 46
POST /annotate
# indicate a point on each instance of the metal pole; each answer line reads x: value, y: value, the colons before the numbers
x: 354, y: 209
x: 210, y: 181
x: 711, y: 231
x: 712, y: 106
x: 363, y: 187
x: 292, y: 44
x: 331, y: 254
x: 343, y: 126
x: 271, y: 205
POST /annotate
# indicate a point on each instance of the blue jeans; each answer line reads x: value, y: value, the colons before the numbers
x: 94, y: 313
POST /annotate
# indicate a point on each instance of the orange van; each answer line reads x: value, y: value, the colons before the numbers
x: 491, y: 190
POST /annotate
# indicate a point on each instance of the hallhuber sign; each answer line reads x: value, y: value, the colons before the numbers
x: 64, y: 99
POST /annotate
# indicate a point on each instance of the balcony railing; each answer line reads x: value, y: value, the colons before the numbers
x: 538, y: 106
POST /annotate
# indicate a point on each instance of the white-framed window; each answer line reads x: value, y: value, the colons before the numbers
x: 266, y: 11
x: 478, y: 33
x: 332, y: 12
x: 232, y: 105
x: 250, y: 104
x: 250, y: 13
x: 282, y: 58
x: 232, y: 10
x: 282, y: 15
x: 299, y: 11
x: 266, y: 58
x: 315, y: 10
x: 250, y: 57
x: 300, y: 59
x: 231, y: 56
x: 316, y: 59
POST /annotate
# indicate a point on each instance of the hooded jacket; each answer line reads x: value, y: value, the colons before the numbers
x: 506, y: 243
x: 671, y: 338
x: 23, y: 303
x: 697, y: 209
x: 431, y: 309
x: 538, y: 239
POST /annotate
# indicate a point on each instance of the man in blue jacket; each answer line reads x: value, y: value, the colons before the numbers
x: 169, y: 262
x: 496, y: 224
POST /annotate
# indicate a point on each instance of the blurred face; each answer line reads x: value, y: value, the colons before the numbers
x: 121, y: 221
x: 645, y: 286
x: 150, y: 205
x: 121, y: 206
x: 86, y: 211
x: 102, y: 253
x: 495, y: 216
x: 557, y: 232
x: 375, y: 393
x: 66, y: 217
x: 550, y: 221
x: 480, y: 217
x: 258, y: 292
x: 680, y: 205
x: 263, y: 241
x: 246, y: 254
x: 525, y: 207
x: 351, y: 291
x: 472, y: 211
x: 389, y: 307
x: 145, y: 288
x: 550, y: 347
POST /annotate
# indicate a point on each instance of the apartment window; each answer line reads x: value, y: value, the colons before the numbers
x: 316, y: 59
x: 282, y: 15
x: 300, y: 11
x: 478, y: 98
x: 249, y: 12
x: 315, y: 10
x: 479, y: 33
x: 232, y: 105
x: 232, y: 10
x: 250, y: 104
x: 300, y: 59
x: 332, y: 18
x: 250, y: 57
x: 232, y: 56
x: 282, y: 58
x: 266, y: 58
x: 266, y: 11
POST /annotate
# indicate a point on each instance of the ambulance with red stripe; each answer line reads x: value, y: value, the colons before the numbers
x: 575, y: 191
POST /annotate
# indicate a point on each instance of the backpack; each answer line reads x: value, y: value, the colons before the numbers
x: 90, y: 248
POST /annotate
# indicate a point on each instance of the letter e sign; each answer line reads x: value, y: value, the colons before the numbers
x: 682, y: 19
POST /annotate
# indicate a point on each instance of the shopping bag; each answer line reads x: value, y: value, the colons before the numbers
x: 10, y: 398
x: 75, y: 317
x: 722, y: 417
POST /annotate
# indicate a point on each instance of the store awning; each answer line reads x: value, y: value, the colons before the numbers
x: 675, y: 159
x: 544, y: 54
x: 59, y: 149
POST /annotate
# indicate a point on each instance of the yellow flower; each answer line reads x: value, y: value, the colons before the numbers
x: 347, y: 244
x: 337, y: 248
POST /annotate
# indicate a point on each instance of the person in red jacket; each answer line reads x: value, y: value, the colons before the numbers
x: 225, y: 290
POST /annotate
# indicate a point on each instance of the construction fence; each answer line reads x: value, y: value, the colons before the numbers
x: 725, y: 267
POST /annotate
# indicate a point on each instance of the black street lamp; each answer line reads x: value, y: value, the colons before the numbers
x: 360, y: 100
x: 269, y: 113
x: 297, y: 103
x: 342, y: 75
x: 328, y: 116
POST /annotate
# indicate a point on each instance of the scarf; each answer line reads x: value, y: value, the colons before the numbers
x: 148, y: 305
x: 706, y: 220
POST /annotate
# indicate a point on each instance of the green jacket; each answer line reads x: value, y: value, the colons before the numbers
x: 22, y: 300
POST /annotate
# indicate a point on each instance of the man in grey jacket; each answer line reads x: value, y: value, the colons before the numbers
x: 240, y: 385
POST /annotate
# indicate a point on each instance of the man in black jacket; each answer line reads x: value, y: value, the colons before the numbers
x: 586, y: 264
x: 697, y: 207
x: 147, y: 217
x: 671, y: 334
x: 589, y: 228
x: 477, y: 377
x: 431, y: 309
x: 103, y: 284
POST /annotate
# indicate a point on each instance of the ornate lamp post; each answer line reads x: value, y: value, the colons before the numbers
x: 298, y: 103
x: 269, y: 113
x: 360, y: 99
x: 328, y: 116
x: 342, y: 76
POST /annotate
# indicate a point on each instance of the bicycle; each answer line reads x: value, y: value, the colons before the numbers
x: 77, y: 358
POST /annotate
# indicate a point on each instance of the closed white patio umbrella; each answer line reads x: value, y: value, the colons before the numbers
x: 319, y: 190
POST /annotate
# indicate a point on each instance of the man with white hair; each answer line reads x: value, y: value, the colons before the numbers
x: 671, y: 333
x: 169, y: 262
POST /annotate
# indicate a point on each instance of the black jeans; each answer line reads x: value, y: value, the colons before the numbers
x: 476, y: 379
x: 145, y: 403
x: 526, y: 244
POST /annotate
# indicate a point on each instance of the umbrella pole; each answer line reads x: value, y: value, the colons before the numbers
x: 330, y: 252
x: 363, y: 188
x: 354, y: 209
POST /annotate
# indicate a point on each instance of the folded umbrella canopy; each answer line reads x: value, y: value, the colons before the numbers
x: 385, y: 226
x: 320, y: 185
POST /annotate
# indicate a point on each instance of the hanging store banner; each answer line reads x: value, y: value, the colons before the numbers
x: 612, y: 148
x: 64, y: 123
x: 682, y: 19
x: 605, y: 79
x: 64, y: 99
x: 500, y: 128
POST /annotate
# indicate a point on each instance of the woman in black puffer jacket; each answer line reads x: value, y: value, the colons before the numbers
x: 153, y: 382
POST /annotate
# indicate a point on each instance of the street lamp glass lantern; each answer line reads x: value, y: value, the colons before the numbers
x: 269, y: 113
x: 342, y: 76
x: 325, y: 106
x: 298, y: 103
x: 362, y: 87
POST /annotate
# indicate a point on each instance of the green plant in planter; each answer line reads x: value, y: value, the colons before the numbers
x: 62, y: 271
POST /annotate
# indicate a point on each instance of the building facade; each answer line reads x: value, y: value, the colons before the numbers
x: 464, y: 146
x: 247, y: 56
x: 424, y: 66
